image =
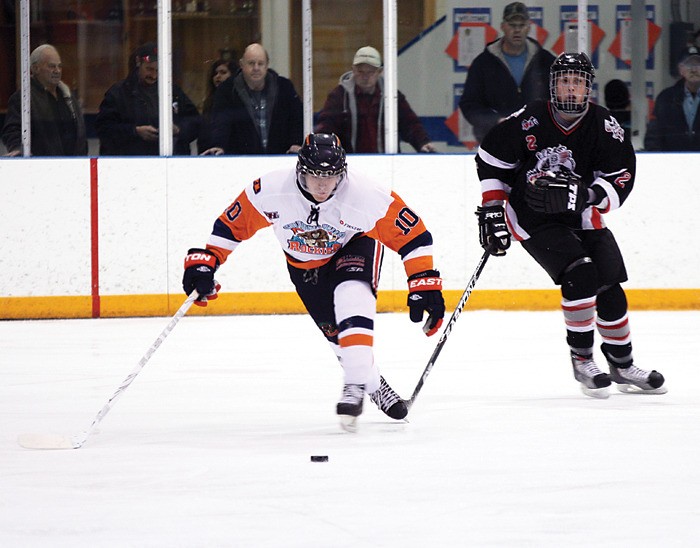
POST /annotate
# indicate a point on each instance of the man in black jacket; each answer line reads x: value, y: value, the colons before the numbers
x: 510, y: 72
x: 127, y: 122
x: 257, y: 111
x: 57, y: 125
x: 675, y: 122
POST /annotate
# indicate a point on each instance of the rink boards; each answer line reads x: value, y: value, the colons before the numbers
x: 106, y: 237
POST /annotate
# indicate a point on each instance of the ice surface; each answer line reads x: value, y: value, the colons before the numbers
x: 211, y: 444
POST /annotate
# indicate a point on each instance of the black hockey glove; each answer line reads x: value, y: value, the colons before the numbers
x: 493, y: 231
x: 425, y: 295
x: 200, y: 266
x: 557, y: 193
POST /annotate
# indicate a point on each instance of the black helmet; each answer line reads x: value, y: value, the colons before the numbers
x: 322, y: 155
x: 571, y: 65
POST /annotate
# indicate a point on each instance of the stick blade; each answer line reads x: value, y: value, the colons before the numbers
x: 47, y: 441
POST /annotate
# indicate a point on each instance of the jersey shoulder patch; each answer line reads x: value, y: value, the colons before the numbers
x: 613, y: 127
x: 532, y: 115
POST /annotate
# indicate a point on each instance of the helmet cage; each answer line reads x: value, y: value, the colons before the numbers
x: 574, y: 67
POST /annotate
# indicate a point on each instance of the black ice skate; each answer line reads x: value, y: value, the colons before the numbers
x: 350, y: 406
x: 389, y: 401
x: 594, y: 382
x: 632, y: 380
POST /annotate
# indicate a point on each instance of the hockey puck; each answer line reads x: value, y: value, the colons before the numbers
x: 319, y: 458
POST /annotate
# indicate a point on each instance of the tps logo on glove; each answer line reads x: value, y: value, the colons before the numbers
x: 573, y: 197
x: 554, y: 193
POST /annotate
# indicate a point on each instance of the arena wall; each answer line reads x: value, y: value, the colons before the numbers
x: 107, y: 237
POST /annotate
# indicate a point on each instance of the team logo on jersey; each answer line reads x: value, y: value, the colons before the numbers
x: 528, y: 124
x: 551, y: 159
x: 612, y: 126
x: 315, y: 240
x: 272, y: 215
x: 257, y: 187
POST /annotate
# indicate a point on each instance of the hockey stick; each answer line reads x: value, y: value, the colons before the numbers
x: 56, y: 441
x: 448, y: 328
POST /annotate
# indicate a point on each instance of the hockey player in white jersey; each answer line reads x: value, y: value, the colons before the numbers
x: 331, y: 222
x: 548, y: 174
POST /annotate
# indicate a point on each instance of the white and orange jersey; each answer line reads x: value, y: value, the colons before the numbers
x: 312, y: 233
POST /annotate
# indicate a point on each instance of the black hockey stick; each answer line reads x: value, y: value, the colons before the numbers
x: 56, y: 441
x: 448, y: 328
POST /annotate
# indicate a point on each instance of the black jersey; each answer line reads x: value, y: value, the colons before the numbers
x: 530, y: 142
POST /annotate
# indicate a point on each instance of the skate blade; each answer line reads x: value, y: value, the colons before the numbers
x: 632, y: 389
x: 599, y: 393
x: 348, y: 423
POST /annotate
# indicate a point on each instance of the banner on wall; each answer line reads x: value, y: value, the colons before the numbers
x: 568, y: 39
x: 473, y: 29
x: 651, y: 97
x: 537, y: 31
x: 621, y: 47
x: 457, y: 124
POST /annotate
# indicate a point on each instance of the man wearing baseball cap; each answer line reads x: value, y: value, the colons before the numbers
x: 675, y: 123
x: 354, y: 110
x: 511, y: 71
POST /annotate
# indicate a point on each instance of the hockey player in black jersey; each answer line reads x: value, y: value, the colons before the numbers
x: 548, y: 174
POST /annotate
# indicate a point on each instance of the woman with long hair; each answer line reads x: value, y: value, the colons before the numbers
x: 219, y: 71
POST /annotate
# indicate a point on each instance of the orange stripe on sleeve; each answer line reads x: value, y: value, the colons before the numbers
x: 219, y: 252
x: 418, y: 264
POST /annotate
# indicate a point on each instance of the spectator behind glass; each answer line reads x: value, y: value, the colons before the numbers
x: 617, y: 100
x: 220, y: 70
x: 511, y: 71
x: 674, y: 123
x: 257, y: 111
x: 127, y: 121
x: 57, y: 124
x: 354, y: 110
